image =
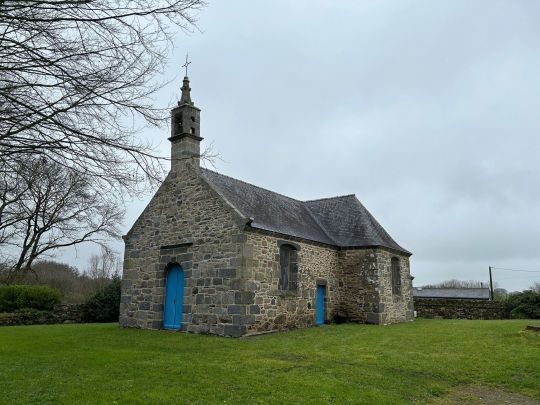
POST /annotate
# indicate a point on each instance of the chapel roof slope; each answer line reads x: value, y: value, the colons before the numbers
x: 268, y: 210
x: 350, y: 223
x: 339, y: 221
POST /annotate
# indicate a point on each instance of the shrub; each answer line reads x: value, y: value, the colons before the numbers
x: 16, y: 297
x: 524, y: 304
x: 104, y: 306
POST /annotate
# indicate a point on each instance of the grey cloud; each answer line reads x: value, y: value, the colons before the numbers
x: 428, y: 111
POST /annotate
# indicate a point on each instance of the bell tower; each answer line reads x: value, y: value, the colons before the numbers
x: 185, y: 129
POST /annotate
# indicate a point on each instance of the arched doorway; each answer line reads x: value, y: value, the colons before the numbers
x: 174, y: 296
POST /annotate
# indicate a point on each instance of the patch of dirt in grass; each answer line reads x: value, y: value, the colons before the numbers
x: 475, y: 394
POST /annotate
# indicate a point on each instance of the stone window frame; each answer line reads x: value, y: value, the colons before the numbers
x: 395, y: 275
x: 288, y: 279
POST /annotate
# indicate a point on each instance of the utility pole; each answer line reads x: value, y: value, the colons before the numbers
x: 490, y: 285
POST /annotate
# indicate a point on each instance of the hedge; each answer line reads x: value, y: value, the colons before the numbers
x: 17, y: 297
x: 525, y: 304
x: 104, y: 306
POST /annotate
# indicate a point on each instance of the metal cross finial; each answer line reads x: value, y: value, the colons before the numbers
x: 186, y: 64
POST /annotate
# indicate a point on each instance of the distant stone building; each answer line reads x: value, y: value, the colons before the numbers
x: 213, y: 254
x: 451, y: 293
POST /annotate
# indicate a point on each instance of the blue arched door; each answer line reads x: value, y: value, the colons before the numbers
x: 174, y: 294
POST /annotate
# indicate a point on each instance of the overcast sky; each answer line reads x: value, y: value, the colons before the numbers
x: 427, y: 111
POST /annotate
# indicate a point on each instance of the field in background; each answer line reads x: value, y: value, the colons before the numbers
x: 425, y: 360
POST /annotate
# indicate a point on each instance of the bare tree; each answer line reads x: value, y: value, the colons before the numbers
x: 61, y: 276
x: 457, y: 284
x: 75, y: 286
x: 51, y: 207
x: 12, y: 190
x: 535, y: 287
x: 500, y: 294
x: 74, y: 74
x: 74, y: 77
x: 103, y: 267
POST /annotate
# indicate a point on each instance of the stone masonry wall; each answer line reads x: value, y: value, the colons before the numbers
x: 185, y: 223
x: 394, y: 307
x: 358, y: 281
x: 62, y: 313
x: 366, y: 287
x: 458, y: 308
x: 274, y: 309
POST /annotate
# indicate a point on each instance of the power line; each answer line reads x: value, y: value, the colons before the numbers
x: 526, y: 271
x: 515, y: 278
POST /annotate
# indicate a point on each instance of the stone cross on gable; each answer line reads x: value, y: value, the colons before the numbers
x: 186, y: 64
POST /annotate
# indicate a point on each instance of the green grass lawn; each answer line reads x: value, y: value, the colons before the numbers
x: 418, y: 361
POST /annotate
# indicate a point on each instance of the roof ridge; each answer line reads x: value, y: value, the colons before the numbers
x: 332, y: 198
x: 275, y: 192
x: 252, y: 185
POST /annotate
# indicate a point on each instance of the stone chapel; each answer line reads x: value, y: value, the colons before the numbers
x: 213, y: 254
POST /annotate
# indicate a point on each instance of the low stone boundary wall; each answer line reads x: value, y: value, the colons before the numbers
x: 62, y: 313
x: 458, y: 308
x: 68, y: 313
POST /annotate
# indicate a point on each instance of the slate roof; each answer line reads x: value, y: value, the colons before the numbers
x: 338, y: 221
x: 452, y: 293
x: 350, y: 223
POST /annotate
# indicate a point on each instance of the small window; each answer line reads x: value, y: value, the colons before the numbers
x: 192, y: 119
x: 396, y: 276
x: 192, y: 130
x: 288, y: 265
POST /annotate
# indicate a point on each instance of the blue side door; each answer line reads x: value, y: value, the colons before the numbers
x: 174, y: 294
x: 320, y: 305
